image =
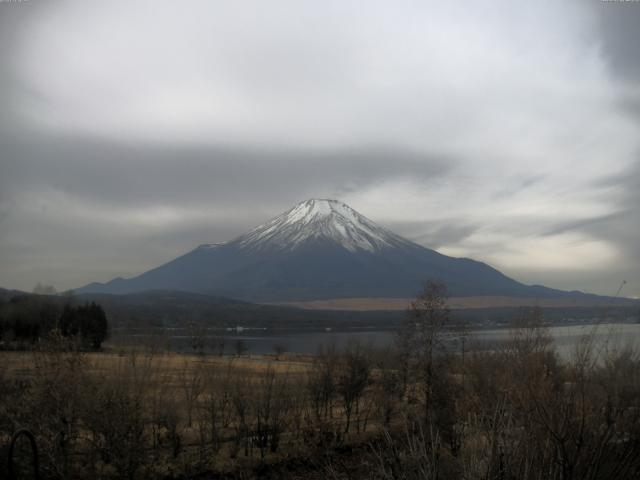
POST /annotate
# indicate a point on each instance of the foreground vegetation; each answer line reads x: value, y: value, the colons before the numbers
x: 416, y: 411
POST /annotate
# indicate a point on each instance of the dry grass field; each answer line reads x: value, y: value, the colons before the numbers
x: 368, y: 304
x: 171, y: 367
x: 141, y: 412
x: 412, y: 412
x: 176, y: 363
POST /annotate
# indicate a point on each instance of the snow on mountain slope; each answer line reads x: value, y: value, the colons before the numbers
x: 320, y: 220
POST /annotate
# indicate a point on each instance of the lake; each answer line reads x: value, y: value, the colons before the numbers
x: 610, y: 335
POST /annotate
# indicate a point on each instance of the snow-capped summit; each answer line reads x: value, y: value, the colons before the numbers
x: 320, y: 220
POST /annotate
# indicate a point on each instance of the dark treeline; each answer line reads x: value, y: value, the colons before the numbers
x: 26, y: 319
x: 180, y: 309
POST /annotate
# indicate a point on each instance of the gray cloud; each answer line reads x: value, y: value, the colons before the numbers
x: 449, y: 231
x: 595, y: 224
x: 518, y: 186
x: 620, y: 36
x: 484, y: 132
x: 115, y: 174
x: 620, y: 227
x: 625, y: 227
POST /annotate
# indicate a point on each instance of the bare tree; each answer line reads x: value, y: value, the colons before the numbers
x: 354, y: 376
x: 241, y: 347
x: 217, y: 403
x: 421, y: 337
x: 197, y: 335
x: 279, y: 349
x: 191, y: 382
x: 390, y: 385
x: 321, y: 382
x: 219, y: 343
x: 54, y: 402
x: 270, y: 409
x: 241, y: 401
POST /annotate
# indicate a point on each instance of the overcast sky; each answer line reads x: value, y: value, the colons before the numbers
x: 509, y: 132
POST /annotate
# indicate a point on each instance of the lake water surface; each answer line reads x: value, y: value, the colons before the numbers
x: 606, y: 336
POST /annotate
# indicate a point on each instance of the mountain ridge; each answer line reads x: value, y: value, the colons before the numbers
x: 320, y: 249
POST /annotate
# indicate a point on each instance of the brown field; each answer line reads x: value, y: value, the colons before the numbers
x: 22, y: 364
x: 409, y: 413
x: 172, y: 411
x: 367, y: 304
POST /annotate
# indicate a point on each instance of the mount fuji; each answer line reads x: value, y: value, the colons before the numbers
x: 321, y: 249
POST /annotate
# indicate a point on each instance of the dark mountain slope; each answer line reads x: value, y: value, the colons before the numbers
x: 317, y: 250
